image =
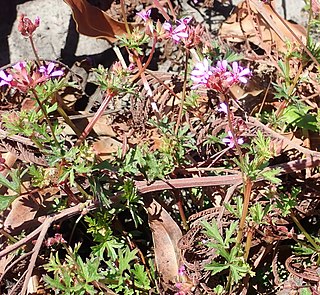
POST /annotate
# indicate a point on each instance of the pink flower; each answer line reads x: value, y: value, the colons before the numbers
x: 228, y: 140
x: 185, y: 20
x: 5, y: 79
x: 222, y: 66
x: 238, y: 74
x: 219, y: 78
x: 48, y: 71
x: 22, y: 78
x: 180, y: 31
x: 223, y: 108
x: 57, y: 239
x: 181, y: 270
x: 201, y: 73
x: 145, y: 15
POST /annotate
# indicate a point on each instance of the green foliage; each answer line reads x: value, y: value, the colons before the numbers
x: 131, y: 200
x: 159, y: 163
x: 287, y: 200
x: 296, y: 115
x: 14, y: 185
x: 114, y: 81
x: 77, y: 160
x: 257, y: 160
x: 175, y: 145
x: 230, y: 258
x: 152, y: 165
x: 237, y: 209
x: 134, y: 42
x: 191, y: 100
x: 75, y: 276
x: 257, y: 212
x: 100, y: 229
x: 30, y: 124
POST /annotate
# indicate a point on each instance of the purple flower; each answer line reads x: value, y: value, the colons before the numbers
x: 167, y: 26
x: 185, y: 20
x: 48, y: 71
x: 145, y: 15
x: 223, y: 108
x: 181, y: 270
x: 219, y: 78
x: 228, y: 140
x: 201, y: 73
x: 222, y: 66
x: 180, y: 31
x: 239, y: 74
x: 5, y: 79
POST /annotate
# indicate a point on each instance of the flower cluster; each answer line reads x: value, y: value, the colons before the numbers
x: 24, y: 79
x: 178, y: 32
x: 57, y: 239
x: 26, y: 27
x: 219, y: 78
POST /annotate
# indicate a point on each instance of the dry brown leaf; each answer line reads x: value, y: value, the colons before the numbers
x: 166, y: 234
x: 106, y: 147
x: 23, y: 209
x: 94, y: 22
x: 263, y: 27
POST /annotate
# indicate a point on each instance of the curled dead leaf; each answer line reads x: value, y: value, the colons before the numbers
x: 94, y: 22
x: 166, y: 234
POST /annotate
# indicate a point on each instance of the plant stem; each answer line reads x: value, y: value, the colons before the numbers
x: 68, y: 121
x: 308, y: 237
x: 248, y: 243
x: 309, y: 23
x: 147, y: 88
x: 98, y: 114
x: 45, y: 115
x: 34, y: 50
x: 123, y: 10
x: 144, y: 67
x: 230, y: 124
x: 181, y: 210
x: 247, y: 183
x: 183, y: 92
x: 246, y: 199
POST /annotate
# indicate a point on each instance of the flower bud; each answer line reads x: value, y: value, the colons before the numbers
x: 26, y: 27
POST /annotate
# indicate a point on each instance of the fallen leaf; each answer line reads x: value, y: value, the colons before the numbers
x: 94, y: 22
x: 262, y: 27
x: 166, y: 234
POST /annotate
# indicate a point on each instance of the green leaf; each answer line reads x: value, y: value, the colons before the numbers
x: 216, y: 267
x: 212, y: 231
x: 229, y: 233
x: 5, y: 201
x: 271, y: 175
x: 54, y: 282
x: 12, y: 185
x: 141, y: 277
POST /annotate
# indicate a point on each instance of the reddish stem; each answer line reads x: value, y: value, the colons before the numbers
x: 96, y: 117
